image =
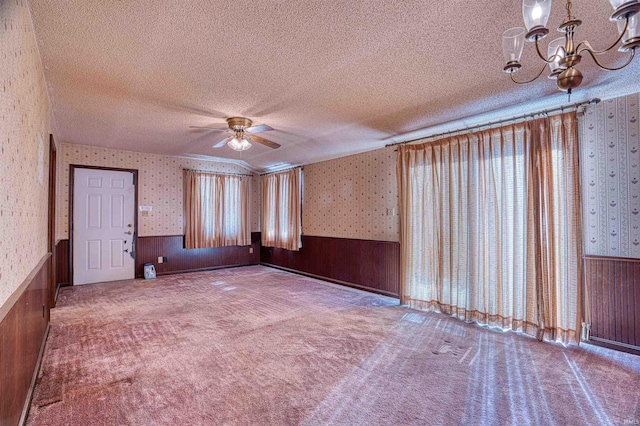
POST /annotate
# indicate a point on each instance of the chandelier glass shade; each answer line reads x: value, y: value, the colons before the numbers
x: 512, y: 45
x: 564, y: 54
x: 536, y: 13
x: 630, y: 34
x: 556, y: 52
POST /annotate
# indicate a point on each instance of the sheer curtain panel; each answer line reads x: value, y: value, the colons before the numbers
x: 490, y: 227
x: 216, y: 210
x: 281, y: 210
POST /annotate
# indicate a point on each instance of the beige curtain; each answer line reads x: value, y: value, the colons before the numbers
x: 490, y: 227
x: 281, y: 210
x: 217, y: 210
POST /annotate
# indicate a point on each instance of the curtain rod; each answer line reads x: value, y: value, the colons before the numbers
x: 217, y: 173
x: 283, y: 170
x: 593, y: 101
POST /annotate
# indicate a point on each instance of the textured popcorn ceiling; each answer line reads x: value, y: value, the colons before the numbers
x: 333, y: 77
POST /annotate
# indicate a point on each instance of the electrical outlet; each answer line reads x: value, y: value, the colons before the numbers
x: 250, y: 249
x: 160, y: 259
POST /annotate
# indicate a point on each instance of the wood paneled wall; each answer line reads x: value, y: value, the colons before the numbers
x: 614, y: 299
x: 180, y: 259
x: 23, y: 325
x: 366, y: 264
x: 61, y: 261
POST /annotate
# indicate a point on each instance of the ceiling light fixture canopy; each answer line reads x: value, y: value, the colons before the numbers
x: 563, y: 53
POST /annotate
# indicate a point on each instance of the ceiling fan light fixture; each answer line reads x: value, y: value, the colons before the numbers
x: 244, y: 133
x: 239, y: 144
x: 244, y: 143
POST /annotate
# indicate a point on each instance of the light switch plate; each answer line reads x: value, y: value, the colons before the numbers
x: 159, y: 259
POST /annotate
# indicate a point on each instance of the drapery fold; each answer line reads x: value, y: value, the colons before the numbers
x: 490, y: 227
x: 217, y: 210
x: 281, y: 210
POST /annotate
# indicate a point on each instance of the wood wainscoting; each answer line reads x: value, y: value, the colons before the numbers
x: 24, y: 321
x: 614, y: 298
x: 365, y: 264
x: 180, y: 259
x: 61, y: 261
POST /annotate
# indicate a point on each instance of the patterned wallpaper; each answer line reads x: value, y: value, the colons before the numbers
x: 352, y: 197
x: 610, y: 151
x: 25, y: 124
x: 160, y: 185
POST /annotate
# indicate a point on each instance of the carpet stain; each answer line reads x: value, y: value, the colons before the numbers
x: 48, y: 403
x: 125, y: 382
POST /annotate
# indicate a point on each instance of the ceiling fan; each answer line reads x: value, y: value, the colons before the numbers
x: 244, y: 132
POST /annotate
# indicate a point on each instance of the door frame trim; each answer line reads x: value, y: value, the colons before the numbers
x: 51, y: 244
x: 72, y: 173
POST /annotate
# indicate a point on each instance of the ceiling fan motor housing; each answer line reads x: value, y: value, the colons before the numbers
x: 238, y: 123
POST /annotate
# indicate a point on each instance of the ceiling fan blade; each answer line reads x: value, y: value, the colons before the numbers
x: 222, y: 142
x: 264, y: 141
x: 217, y: 129
x: 258, y: 129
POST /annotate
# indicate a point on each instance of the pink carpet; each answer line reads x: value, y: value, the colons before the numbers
x: 258, y: 346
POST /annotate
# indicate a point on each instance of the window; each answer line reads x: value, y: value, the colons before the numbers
x: 491, y: 227
x: 281, y: 210
x: 217, y: 210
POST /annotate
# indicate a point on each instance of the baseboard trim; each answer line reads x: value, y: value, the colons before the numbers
x: 212, y: 268
x: 618, y: 346
x: 36, y: 372
x: 331, y: 280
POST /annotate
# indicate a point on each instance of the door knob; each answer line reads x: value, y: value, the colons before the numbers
x: 128, y: 232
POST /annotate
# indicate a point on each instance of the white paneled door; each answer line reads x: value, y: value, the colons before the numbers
x: 103, y: 225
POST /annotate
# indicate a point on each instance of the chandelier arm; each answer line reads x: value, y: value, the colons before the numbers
x: 534, y: 78
x: 548, y: 61
x: 585, y: 45
x: 593, y: 55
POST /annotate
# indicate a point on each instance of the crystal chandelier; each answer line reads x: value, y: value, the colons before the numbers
x: 563, y: 53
